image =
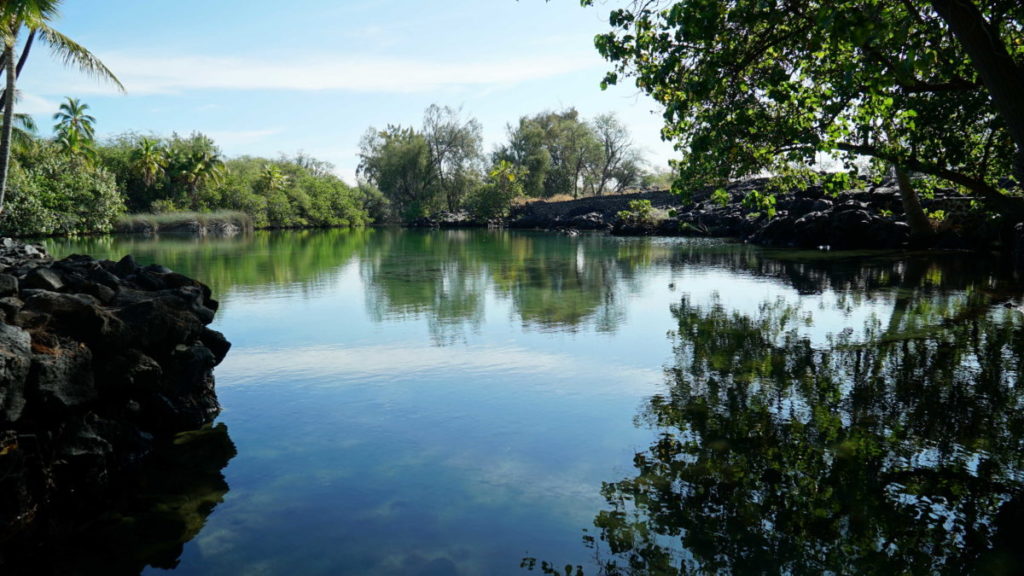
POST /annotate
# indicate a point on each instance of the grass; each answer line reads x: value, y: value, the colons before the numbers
x: 154, y: 223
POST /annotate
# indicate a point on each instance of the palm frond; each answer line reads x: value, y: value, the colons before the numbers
x: 72, y: 53
x: 25, y: 122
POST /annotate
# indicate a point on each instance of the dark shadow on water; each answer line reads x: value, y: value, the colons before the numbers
x: 896, y: 447
x: 155, y: 512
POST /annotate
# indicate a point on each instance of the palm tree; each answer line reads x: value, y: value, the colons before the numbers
x: 72, y: 117
x: 75, y: 129
x: 35, y: 17
x: 273, y: 178
x: 203, y: 166
x: 74, y: 144
x: 149, y: 160
x: 23, y: 135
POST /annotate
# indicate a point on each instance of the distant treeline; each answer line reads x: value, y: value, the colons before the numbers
x: 71, y: 184
x: 55, y: 189
x: 442, y: 166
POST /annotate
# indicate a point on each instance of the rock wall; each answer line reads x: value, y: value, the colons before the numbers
x: 855, y: 219
x: 593, y: 213
x: 100, y: 363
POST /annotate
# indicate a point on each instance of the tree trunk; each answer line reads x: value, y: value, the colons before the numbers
x: 1001, y: 76
x: 920, y: 228
x: 21, y: 64
x: 8, y: 125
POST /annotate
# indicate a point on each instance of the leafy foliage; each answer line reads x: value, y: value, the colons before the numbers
x: 60, y: 194
x: 753, y: 86
x: 398, y: 162
x: 504, y: 185
x: 189, y: 173
x: 639, y: 213
x: 564, y: 154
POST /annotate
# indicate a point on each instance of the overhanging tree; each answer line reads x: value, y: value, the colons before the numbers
x: 933, y: 87
x: 34, y: 17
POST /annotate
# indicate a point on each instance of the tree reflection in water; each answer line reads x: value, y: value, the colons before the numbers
x: 551, y: 283
x: 894, y: 449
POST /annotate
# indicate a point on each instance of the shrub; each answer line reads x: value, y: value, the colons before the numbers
x: 60, y: 195
x: 639, y: 213
x: 495, y: 198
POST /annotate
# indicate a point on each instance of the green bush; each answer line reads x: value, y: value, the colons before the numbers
x: 639, y: 213
x: 494, y: 199
x: 60, y: 195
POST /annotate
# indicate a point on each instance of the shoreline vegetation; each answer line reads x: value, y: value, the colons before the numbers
x: 557, y: 171
x: 220, y: 223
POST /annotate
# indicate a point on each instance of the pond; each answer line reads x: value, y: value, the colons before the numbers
x: 499, y: 402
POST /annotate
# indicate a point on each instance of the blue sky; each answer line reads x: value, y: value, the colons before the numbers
x: 267, y: 77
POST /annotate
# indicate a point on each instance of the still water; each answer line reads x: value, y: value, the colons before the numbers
x: 495, y: 402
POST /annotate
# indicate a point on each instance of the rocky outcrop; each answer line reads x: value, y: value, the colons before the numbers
x: 101, y: 362
x: 848, y: 225
x: 868, y: 218
x: 459, y: 219
x: 593, y: 213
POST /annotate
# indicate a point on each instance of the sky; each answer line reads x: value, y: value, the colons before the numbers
x: 265, y: 77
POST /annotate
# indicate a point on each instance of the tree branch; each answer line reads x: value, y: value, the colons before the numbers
x: 1008, y: 205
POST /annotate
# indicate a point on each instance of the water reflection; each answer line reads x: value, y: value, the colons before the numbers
x: 147, y: 524
x: 303, y: 260
x: 895, y: 448
x: 552, y: 283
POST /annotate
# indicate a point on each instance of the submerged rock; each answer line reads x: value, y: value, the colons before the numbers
x: 100, y: 363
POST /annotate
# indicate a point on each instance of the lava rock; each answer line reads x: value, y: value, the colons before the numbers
x: 99, y: 362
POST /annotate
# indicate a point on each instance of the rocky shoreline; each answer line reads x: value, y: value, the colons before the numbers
x: 870, y: 218
x: 101, y: 364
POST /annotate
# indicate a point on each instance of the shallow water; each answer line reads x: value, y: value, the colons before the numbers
x: 467, y: 402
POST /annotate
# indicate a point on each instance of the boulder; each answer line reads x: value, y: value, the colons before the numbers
x: 15, y: 362
x: 100, y: 362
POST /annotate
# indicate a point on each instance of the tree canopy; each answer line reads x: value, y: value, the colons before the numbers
x: 933, y: 87
x: 34, y: 16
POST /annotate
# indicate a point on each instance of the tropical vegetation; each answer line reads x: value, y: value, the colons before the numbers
x: 928, y: 91
x: 442, y: 166
x: 34, y: 17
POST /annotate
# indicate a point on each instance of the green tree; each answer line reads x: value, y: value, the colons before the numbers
x: 149, y: 161
x: 456, y: 153
x: 504, y: 185
x: 397, y: 161
x: 34, y: 16
x: 526, y: 148
x: 558, y: 150
x: 58, y: 194
x: 72, y: 117
x: 273, y: 179
x: 195, y: 166
x: 750, y: 86
x: 75, y: 129
x: 23, y: 135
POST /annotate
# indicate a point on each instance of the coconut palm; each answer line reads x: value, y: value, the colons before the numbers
x: 273, y: 178
x: 23, y: 134
x: 149, y: 161
x: 202, y: 167
x: 34, y: 17
x: 74, y: 144
x: 72, y: 117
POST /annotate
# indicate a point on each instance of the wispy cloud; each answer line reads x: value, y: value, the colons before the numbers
x: 350, y: 73
x: 31, y: 104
